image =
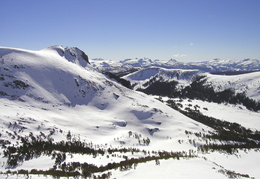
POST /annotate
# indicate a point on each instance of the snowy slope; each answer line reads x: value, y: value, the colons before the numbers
x: 55, y: 90
x: 145, y: 77
x: 225, y: 112
x: 46, y: 78
x: 46, y: 90
x: 248, y: 83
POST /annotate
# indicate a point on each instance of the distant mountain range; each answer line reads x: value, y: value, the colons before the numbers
x: 65, y: 115
x: 168, y: 77
x: 215, y: 65
x: 178, y: 79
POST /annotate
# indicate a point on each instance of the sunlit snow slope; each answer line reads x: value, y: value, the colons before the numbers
x: 55, y: 91
x: 244, y: 83
x: 56, y: 87
x: 247, y: 83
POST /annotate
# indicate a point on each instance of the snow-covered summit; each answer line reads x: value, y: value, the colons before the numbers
x: 51, y: 93
x: 72, y: 54
x: 49, y: 79
x: 49, y: 74
x: 143, y: 62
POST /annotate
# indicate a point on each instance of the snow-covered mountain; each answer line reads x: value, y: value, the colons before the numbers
x: 247, y: 83
x: 142, y: 79
x: 54, y: 95
x: 215, y: 65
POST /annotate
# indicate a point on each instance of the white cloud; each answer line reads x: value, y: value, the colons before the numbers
x: 179, y: 55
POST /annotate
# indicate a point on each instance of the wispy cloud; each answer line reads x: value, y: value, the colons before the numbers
x: 179, y: 55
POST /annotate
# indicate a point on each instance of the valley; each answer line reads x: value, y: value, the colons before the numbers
x: 63, y: 115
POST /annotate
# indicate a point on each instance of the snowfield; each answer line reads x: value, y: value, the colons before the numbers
x: 140, y: 78
x: 56, y: 91
x: 248, y: 83
x: 225, y: 112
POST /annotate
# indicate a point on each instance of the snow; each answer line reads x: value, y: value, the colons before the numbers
x: 248, y: 83
x: 183, y: 169
x: 144, y: 77
x: 54, y: 97
x: 226, y: 112
x: 64, y: 93
x: 239, y: 162
x: 40, y: 163
x: 205, y: 66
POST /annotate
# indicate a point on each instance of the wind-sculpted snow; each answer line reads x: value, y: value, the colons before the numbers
x: 49, y: 77
x: 72, y: 54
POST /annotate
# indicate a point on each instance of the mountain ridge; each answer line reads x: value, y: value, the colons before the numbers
x: 57, y: 103
x: 215, y: 65
x: 48, y: 79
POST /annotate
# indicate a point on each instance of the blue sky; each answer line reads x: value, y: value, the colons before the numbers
x: 185, y: 30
